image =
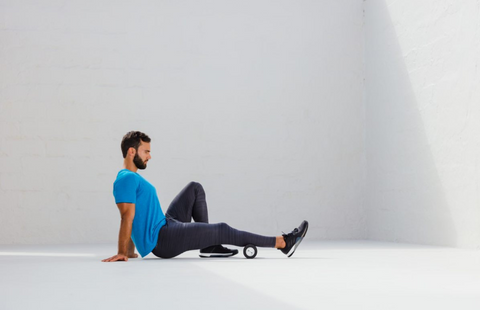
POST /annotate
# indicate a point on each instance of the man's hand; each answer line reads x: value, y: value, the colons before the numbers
x: 118, y: 257
x: 126, y: 247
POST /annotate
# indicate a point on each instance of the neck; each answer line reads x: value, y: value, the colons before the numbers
x: 129, y: 165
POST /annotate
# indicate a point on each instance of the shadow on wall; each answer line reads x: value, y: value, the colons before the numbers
x: 405, y: 198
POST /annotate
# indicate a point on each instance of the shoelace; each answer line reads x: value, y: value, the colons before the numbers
x: 289, y: 234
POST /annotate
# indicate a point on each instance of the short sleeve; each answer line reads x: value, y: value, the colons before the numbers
x: 125, y: 189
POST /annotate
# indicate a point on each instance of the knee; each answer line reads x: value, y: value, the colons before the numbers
x: 195, y: 185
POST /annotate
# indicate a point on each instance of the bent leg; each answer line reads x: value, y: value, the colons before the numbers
x: 189, y: 203
x: 176, y: 237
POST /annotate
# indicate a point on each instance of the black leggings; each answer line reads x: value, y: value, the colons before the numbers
x: 179, y: 234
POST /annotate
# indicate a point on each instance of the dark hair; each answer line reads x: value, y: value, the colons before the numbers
x: 132, y: 139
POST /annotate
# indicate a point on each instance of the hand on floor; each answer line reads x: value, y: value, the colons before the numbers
x: 118, y: 257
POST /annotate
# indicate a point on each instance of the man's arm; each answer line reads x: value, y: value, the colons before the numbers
x: 131, y: 250
x: 127, y: 213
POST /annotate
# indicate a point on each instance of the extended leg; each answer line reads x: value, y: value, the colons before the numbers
x: 176, y: 238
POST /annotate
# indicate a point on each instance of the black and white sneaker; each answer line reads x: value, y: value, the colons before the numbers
x: 217, y: 251
x: 294, y: 239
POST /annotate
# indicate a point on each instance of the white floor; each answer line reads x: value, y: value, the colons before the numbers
x: 320, y: 275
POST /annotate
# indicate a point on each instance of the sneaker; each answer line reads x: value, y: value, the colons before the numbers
x: 294, y: 238
x: 217, y: 251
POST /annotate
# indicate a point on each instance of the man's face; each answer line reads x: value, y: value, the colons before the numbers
x: 142, y: 155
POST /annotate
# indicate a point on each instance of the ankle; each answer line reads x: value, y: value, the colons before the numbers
x: 280, y: 242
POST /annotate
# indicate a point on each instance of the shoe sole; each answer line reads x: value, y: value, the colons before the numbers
x: 298, y: 242
x: 217, y: 255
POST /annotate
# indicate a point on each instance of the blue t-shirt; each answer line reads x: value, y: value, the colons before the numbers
x: 130, y: 187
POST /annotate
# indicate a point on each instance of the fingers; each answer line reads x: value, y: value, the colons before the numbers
x: 116, y: 258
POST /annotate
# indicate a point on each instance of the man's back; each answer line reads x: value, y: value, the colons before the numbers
x: 130, y: 187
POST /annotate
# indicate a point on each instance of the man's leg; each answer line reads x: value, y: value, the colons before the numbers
x: 176, y: 237
x: 191, y: 203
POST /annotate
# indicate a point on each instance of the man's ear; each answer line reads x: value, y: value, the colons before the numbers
x: 132, y: 151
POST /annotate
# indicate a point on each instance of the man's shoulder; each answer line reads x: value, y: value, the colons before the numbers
x: 125, y: 186
x: 125, y: 174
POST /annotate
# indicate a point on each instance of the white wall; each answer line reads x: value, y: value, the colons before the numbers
x: 423, y: 129
x: 260, y: 101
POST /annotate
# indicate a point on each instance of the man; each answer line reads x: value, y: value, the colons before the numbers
x: 144, y: 226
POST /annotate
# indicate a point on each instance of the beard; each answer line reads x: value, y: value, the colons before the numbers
x: 139, y: 163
